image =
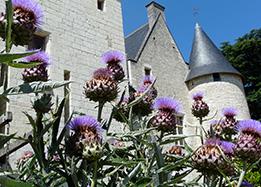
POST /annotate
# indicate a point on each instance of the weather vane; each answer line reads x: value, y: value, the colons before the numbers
x: 195, y: 12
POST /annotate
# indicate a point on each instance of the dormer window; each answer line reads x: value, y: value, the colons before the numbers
x: 216, y: 77
x: 101, y: 4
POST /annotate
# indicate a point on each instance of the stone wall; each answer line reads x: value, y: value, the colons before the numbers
x: 79, y: 34
x: 225, y: 93
x: 162, y: 55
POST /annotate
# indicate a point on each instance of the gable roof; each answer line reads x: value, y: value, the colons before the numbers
x: 206, y: 58
x: 134, y: 41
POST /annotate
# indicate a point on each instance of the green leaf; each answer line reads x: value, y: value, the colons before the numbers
x: 21, y: 64
x: 135, y: 133
x: 173, y: 166
x: 143, y: 182
x: 122, y: 161
x: 8, y: 28
x: 56, y: 122
x: 175, y: 138
x: 31, y: 120
x: 4, y: 98
x: 7, y: 57
x: 132, y: 174
x: 6, y: 182
x: 34, y: 87
x: 4, y: 139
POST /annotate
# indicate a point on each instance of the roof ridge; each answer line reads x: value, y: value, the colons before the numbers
x: 139, y: 28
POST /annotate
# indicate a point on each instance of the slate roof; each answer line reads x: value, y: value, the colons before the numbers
x: 206, y: 58
x: 134, y: 41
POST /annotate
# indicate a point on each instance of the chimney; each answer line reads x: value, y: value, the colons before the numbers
x: 153, y: 10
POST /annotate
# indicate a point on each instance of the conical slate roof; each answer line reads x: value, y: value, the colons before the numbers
x: 206, y: 58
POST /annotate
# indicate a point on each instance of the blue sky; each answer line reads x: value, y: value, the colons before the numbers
x: 223, y: 20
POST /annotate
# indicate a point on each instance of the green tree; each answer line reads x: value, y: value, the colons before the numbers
x: 245, y: 56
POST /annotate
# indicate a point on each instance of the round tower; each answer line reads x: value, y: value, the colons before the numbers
x: 210, y: 73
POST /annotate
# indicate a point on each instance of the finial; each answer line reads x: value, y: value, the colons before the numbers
x: 197, y: 26
x: 195, y: 12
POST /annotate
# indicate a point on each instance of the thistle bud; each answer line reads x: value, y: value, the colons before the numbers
x: 113, y: 60
x: 144, y: 107
x: 86, y: 139
x: 27, y: 17
x: 208, y: 158
x: 229, y: 122
x: 248, y: 145
x: 102, y: 87
x: 174, y: 151
x: 121, y: 110
x: 39, y: 72
x: 199, y: 109
x: 167, y: 109
x: 43, y: 104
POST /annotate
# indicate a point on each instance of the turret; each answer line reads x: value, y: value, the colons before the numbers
x: 211, y: 73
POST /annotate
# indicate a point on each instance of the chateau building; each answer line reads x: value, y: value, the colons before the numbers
x: 151, y: 49
x: 75, y: 34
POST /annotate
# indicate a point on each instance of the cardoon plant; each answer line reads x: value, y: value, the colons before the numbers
x: 229, y: 122
x: 113, y: 60
x: 40, y: 72
x: 144, y: 107
x: 85, y: 139
x: 166, y: 117
x: 27, y: 17
x: 199, y: 109
x: 208, y: 158
x: 121, y: 111
x: 248, y: 144
x: 147, y: 81
x: 102, y: 87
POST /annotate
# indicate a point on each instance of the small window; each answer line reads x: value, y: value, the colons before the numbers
x: 216, y: 77
x: 100, y: 4
x: 147, y: 70
x: 38, y: 42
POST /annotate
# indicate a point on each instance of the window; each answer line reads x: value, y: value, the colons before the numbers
x: 147, y: 70
x: 38, y: 42
x: 216, y: 77
x: 100, y: 4
x: 67, y: 76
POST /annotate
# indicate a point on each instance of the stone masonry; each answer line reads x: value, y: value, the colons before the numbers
x: 78, y: 34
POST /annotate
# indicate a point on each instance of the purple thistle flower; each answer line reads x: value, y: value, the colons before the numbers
x: 246, y: 184
x: 82, y: 122
x: 229, y: 112
x: 39, y: 57
x: 167, y: 103
x: 112, y: 57
x: 227, y: 147
x: 212, y: 141
x: 30, y: 6
x: 148, y: 79
x: 198, y: 95
x: 102, y: 73
x: 249, y: 126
